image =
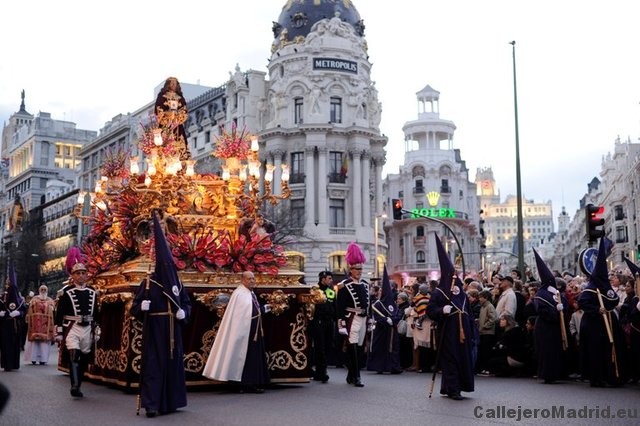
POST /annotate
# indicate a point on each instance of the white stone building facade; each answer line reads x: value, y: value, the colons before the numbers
x: 434, y: 180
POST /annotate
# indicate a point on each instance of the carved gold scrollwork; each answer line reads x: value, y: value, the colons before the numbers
x: 215, y: 300
x: 311, y: 299
x: 283, y: 360
x: 278, y: 300
x: 117, y: 359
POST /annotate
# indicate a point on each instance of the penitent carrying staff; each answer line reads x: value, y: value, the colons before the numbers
x: 449, y: 307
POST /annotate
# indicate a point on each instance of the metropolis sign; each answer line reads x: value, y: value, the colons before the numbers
x: 335, y: 65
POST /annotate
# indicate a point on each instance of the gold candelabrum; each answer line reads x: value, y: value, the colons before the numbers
x: 170, y: 185
x: 243, y: 177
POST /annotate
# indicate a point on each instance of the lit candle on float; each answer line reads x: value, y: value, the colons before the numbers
x: 190, y: 171
x: 268, y: 176
x: 157, y: 137
x: 285, y: 172
x: 134, y: 168
x: 226, y: 175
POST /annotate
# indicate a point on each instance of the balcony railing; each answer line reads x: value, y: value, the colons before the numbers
x: 337, y: 178
x: 342, y: 231
x: 445, y: 190
x: 296, y: 178
x: 418, y: 189
x: 419, y: 240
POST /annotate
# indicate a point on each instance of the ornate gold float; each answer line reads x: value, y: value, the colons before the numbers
x: 212, y: 225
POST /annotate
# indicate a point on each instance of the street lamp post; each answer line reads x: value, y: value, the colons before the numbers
x: 518, y: 184
x: 376, y: 272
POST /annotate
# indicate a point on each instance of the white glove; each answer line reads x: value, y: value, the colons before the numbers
x: 58, y: 338
x: 559, y: 307
x: 145, y: 305
x: 637, y: 307
x: 14, y: 314
x: 389, y: 321
x: 3, y: 313
x: 447, y: 309
x: 180, y: 314
x: 97, y: 332
x: 343, y: 331
x: 267, y: 308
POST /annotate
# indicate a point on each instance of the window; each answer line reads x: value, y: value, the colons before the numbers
x: 337, y: 263
x: 420, y: 231
x: 621, y: 234
x: 418, y: 189
x: 420, y: 257
x: 618, y: 213
x: 297, y: 167
x: 337, y: 167
x: 335, y: 110
x: 445, y: 187
x: 297, y: 213
x: 336, y: 213
x: 44, y: 153
x: 297, y: 110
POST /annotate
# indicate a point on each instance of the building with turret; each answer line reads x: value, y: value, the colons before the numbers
x: 433, y: 182
x: 501, y: 222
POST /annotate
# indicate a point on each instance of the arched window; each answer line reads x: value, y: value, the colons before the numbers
x: 337, y: 262
x: 417, y: 171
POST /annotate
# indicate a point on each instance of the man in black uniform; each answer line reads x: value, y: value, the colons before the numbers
x: 76, y: 319
x: 353, y: 306
x: 322, y: 326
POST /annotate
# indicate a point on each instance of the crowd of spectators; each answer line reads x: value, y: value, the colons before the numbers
x: 505, y: 313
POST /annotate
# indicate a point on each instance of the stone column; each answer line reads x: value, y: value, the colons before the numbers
x: 323, y: 201
x: 276, y: 185
x: 366, y: 190
x: 310, y: 190
x: 356, y: 207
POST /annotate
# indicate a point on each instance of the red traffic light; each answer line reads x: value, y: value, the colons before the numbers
x: 595, y: 211
x: 397, y: 208
x: 593, y: 220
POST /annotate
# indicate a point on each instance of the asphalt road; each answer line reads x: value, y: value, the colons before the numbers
x: 40, y: 396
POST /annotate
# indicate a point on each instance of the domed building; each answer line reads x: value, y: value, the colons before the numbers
x: 321, y: 116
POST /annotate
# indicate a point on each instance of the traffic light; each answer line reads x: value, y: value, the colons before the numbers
x: 483, y: 244
x: 593, y: 220
x: 397, y: 209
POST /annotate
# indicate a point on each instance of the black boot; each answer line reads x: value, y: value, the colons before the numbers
x: 75, y: 372
x: 354, y: 368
